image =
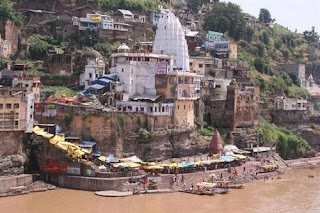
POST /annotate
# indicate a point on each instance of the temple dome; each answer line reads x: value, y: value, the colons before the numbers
x: 170, y: 40
x: 92, y: 54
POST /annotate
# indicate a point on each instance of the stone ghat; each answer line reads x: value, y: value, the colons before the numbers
x: 87, y: 183
x: 9, y: 182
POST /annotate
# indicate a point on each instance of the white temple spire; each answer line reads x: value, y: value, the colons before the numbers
x: 170, y: 40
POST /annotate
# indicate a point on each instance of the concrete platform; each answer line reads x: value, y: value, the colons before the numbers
x: 113, y: 194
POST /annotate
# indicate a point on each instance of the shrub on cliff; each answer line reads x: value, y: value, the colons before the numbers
x: 288, y: 145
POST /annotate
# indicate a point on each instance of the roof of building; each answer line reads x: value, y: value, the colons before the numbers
x: 126, y: 12
x: 112, y: 76
x: 96, y: 86
x: 192, y: 33
x: 87, y: 144
x: 92, y: 54
x: 145, y: 97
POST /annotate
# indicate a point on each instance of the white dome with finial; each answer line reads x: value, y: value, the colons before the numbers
x: 170, y: 40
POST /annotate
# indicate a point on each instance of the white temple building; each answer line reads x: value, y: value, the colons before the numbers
x: 170, y: 40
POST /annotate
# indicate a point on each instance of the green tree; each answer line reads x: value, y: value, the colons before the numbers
x: 38, y: 46
x: 311, y: 36
x: 194, y: 5
x: 265, y: 16
x: 249, y: 33
x: 3, y: 63
x: 7, y: 12
x: 225, y: 17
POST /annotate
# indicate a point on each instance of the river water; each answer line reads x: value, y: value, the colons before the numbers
x: 294, y: 193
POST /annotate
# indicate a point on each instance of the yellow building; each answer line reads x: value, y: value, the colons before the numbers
x: 233, y: 50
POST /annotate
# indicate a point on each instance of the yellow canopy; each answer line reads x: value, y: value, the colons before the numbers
x: 102, y: 158
x: 87, y: 150
x: 164, y: 165
x: 174, y: 165
x: 40, y: 133
x: 38, y: 129
x: 48, y: 135
x: 198, y: 163
x: 65, y: 145
x: 206, y: 185
x: 57, y: 138
x: 240, y: 157
x: 133, y: 165
x: 78, y: 153
x: 217, y: 161
x: 153, y: 167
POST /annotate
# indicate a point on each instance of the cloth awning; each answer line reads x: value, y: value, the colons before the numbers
x: 227, y: 159
x: 240, y: 157
x: 153, y: 167
x: 48, y: 135
x: 102, y: 158
x: 87, y: 144
x: 96, y: 154
x: 65, y: 145
x: 57, y: 138
x: 134, y: 159
x: 112, y: 159
x: 186, y: 164
x: 174, y: 165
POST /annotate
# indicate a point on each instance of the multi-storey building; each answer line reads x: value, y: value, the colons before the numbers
x: 16, y: 109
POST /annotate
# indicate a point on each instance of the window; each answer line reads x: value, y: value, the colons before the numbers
x: 8, y: 106
x: 200, y: 65
x: 178, y: 107
x: 162, y: 109
x: 155, y: 109
x: 16, y: 106
x: 184, y: 106
x: 218, y: 86
x: 142, y: 109
x: 90, y: 75
x: 151, y: 109
x: 1, y: 106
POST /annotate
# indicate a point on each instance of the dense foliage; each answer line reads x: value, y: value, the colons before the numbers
x: 225, y: 17
x: 138, y: 5
x: 7, y: 12
x: 288, y: 145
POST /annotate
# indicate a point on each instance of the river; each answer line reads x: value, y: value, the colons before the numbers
x: 294, y: 193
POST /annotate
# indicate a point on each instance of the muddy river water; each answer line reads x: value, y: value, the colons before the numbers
x: 294, y: 193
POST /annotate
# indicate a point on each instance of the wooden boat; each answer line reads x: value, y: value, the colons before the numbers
x: 240, y: 186
x: 195, y: 192
x: 221, y: 191
x: 225, y: 184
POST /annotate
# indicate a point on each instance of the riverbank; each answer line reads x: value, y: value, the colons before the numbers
x: 245, y: 174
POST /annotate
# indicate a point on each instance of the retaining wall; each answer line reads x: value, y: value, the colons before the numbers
x: 6, y: 183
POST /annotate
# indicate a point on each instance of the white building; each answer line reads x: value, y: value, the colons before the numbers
x: 137, y: 70
x: 170, y: 40
x: 94, y: 69
x: 291, y: 104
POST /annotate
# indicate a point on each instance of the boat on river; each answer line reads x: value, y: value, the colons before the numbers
x: 225, y: 184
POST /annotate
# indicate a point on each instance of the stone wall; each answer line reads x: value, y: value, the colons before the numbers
x: 11, y: 143
x: 86, y: 183
x: 292, y: 116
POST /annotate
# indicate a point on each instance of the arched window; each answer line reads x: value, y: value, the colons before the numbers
x: 184, y: 93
